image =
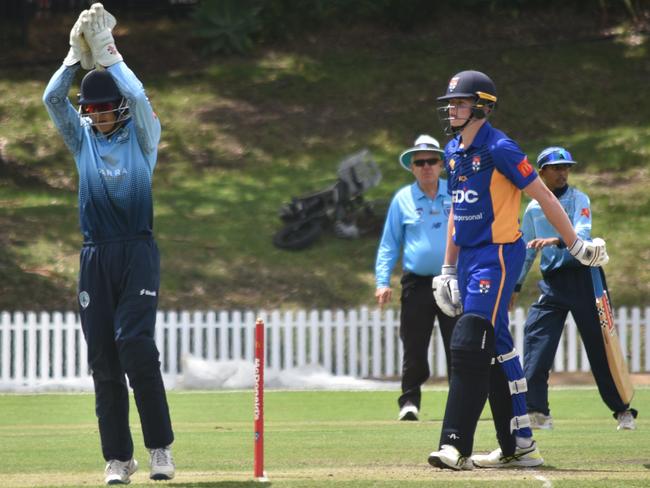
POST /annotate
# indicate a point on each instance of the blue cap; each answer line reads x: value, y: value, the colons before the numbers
x: 554, y: 155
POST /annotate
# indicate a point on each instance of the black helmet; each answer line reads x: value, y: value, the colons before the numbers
x: 98, y: 87
x: 471, y: 84
x: 468, y: 84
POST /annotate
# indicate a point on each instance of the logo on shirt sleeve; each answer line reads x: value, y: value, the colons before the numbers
x: 525, y: 168
x: 585, y: 212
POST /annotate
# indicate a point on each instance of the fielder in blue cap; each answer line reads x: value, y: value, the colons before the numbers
x: 566, y: 286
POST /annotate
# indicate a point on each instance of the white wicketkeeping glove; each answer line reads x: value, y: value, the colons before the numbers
x: 445, y: 291
x: 79, y: 49
x: 590, y: 253
x: 97, y: 26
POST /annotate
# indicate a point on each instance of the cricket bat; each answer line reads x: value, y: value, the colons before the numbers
x: 615, y: 359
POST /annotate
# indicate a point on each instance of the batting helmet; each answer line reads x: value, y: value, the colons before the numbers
x: 468, y: 84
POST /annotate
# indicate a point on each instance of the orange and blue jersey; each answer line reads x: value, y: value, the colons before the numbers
x: 485, y: 183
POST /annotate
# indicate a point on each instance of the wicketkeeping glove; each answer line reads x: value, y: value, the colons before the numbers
x: 79, y: 49
x: 590, y: 253
x: 445, y: 291
x: 97, y: 26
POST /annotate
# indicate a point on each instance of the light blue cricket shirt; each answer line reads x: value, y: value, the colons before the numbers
x: 418, y: 224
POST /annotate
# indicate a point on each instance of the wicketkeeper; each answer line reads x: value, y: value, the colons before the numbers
x: 114, y: 137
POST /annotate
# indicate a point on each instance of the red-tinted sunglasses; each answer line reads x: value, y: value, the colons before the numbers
x: 98, y: 107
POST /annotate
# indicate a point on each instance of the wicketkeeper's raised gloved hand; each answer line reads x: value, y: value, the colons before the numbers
x: 445, y: 291
x: 79, y: 49
x: 97, y: 26
x: 590, y: 253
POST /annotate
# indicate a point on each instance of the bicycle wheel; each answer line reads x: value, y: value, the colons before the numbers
x: 298, y: 235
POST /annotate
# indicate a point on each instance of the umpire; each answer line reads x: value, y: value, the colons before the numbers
x: 417, y: 222
x: 566, y: 287
x: 114, y: 141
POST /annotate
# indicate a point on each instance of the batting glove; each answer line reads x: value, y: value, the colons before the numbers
x: 79, y: 49
x: 445, y: 291
x: 590, y: 253
x: 97, y: 27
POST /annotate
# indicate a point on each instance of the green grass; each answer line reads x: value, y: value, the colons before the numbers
x: 348, y: 439
x: 242, y: 135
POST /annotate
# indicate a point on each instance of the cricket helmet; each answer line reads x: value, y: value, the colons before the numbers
x: 99, y: 87
x: 468, y: 84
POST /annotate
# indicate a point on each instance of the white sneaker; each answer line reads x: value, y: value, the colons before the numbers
x: 161, y: 463
x: 408, y: 412
x: 528, y: 457
x: 626, y: 420
x: 119, y: 472
x: 540, y: 421
x: 448, y: 457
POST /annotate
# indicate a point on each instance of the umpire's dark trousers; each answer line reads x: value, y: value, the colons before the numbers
x: 118, y: 297
x: 417, y: 316
x: 568, y: 289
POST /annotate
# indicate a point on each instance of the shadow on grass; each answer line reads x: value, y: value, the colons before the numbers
x: 27, y: 289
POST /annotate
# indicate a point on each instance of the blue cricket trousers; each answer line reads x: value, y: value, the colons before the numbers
x: 568, y: 289
x: 486, y: 278
x: 118, y: 297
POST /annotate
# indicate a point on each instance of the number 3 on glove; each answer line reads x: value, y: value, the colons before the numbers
x: 445, y: 291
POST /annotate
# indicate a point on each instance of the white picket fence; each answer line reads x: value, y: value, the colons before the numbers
x: 37, y: 348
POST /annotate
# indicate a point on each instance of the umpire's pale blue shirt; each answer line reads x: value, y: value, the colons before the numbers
x: 535, y: 225
x: 418, y: 224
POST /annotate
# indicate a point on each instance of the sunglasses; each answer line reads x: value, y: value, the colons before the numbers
x: 431, y: 162
x: 98, y: 107
x: 556, y: 155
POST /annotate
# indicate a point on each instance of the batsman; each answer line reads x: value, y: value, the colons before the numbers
x: 113, y: 137
x: 484, y: 257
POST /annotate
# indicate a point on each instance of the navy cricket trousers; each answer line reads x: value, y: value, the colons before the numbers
x: 568, y: 289
x: 118, y: 298
x: 418, y: 313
